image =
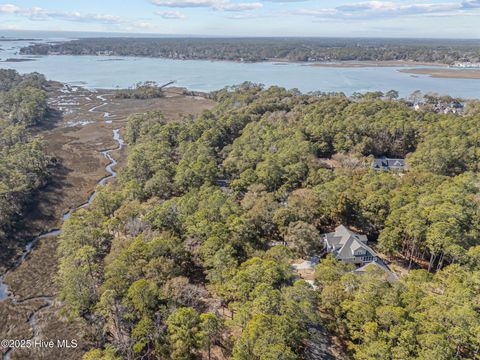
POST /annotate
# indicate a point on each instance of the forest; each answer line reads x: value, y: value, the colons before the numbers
x: 442, y: 51
x: 24, y: 163
x: 179, y: 258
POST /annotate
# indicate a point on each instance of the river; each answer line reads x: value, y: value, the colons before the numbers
x: 201, y: 75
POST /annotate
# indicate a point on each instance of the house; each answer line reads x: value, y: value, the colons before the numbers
x: 348, y: 246
x: 466, y: 64
x: 385, y: 163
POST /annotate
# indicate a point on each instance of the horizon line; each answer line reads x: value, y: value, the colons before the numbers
x: 139, y: 34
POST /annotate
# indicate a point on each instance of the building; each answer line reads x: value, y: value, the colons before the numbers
x: 466, y: 64
x: 385, y: 163
x: 348, y: 246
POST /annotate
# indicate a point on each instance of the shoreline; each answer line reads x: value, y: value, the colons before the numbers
x: 13, y: 60
x: 275, y: 61
x: 374, y: 63
x: 442, y: 73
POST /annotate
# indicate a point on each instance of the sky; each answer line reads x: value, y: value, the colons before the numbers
x: 345, y: 18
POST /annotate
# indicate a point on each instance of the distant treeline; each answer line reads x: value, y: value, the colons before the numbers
x: 141, y: 90
x: 261, y: 49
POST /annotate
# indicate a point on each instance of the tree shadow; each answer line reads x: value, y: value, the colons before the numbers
x: 40, y: 215
x: 54, y: 116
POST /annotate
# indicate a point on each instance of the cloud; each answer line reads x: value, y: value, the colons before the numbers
x: 143, y: 25
x: 113, y: 21
x: 187, y: 3
x: 9, y: 9
x: 171, y: 14
x: 75, y: 16
x: 220, y: 5
x: 257, y: 15
x: 38, y: 13
x: 241, y: 6
x: 386, y: 9
x: 392, y: 8
x: 243, y: 16
x: 316, y: 12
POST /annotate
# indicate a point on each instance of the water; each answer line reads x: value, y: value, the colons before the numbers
x: 3, y: 289
x: 111, y: 72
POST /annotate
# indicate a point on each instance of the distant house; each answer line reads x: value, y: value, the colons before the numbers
x: 466, y: 64
x: 439, y: 105
x: 385, y: 163
x: 348, y: 246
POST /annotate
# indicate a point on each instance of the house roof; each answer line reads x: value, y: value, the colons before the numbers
x: 341, y: 236
x: 353, y: 244
x: 388, y: 163
x: 345, y: 242
x: 379, y: 264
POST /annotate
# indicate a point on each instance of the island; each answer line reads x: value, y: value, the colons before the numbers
x: 440, y: 51
x: 18, y: 60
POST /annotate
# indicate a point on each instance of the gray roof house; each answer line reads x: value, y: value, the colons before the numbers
x: 385, y: 163
x: 348, y: 246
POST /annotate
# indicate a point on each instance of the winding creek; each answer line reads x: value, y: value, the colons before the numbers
x: 5, y: 293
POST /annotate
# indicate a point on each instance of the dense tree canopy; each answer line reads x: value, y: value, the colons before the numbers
x: 260, y: 49
x: 422, y: 316
x: 24, y: 165
x: 184, y: 255
x: 141, y: 90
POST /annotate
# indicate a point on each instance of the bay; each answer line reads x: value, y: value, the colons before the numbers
x: 203, y: 75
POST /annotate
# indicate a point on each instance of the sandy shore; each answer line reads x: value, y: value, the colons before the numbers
x: 445, y: 73
x: 360, y: 64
